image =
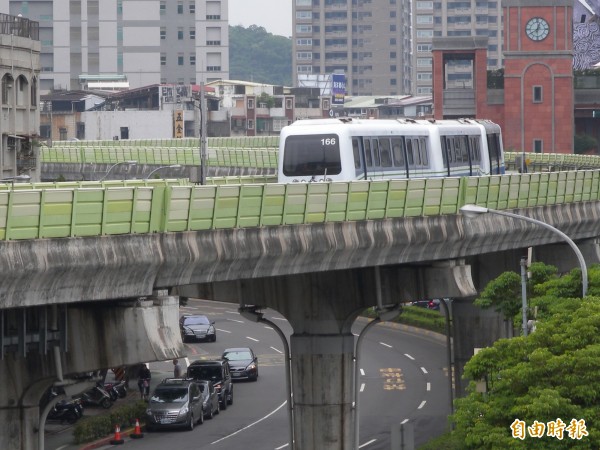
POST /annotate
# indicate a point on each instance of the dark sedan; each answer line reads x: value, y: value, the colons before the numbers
x: 243, y: 363
x: 197, y: 327
x: 210, y: 398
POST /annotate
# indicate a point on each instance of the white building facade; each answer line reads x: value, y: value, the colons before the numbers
x: 142, y: 42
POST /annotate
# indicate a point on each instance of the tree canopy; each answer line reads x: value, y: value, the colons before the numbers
x: 545, y: 385
x: 259, y: 56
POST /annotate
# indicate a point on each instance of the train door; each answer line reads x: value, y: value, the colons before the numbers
x: 417, y: 156
x: 494, y: 151
x: 399, y: 157
x: 358, y: 153
x: 475, y: 155
x: 369, y: 167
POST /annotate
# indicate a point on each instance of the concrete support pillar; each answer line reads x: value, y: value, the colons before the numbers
x: 322, y: 383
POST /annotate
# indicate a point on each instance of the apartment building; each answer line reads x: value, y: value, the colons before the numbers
x: 128, y: 43
x: 368, y: 41
x: 441, y: 18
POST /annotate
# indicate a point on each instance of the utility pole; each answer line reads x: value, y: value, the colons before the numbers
x: 203, y: 112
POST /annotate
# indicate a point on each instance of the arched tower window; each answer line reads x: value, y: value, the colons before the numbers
x: 7, y: 89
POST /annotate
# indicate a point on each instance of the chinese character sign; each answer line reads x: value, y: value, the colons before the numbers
x: 338, y: 88
x: 178, y: 123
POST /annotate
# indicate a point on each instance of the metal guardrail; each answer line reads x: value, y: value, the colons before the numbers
x: 162, y: 207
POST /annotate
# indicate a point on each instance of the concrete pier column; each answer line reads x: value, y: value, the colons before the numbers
x: 322, y: 381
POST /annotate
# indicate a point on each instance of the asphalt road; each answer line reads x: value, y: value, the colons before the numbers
x: 403, y: 381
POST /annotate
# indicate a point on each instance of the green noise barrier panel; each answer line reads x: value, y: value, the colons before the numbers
x: 58, y: 210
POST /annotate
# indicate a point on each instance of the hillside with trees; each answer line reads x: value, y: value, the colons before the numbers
x: 259, y: 56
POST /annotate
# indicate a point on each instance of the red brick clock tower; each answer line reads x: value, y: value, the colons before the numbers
x: 538, y: 75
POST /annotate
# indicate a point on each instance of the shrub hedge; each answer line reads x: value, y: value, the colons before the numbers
x: 97, y: 427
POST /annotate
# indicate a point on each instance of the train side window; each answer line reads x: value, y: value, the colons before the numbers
x: 368, y: 157
x: 444, y: 152
x: 464, y: 149
x: 423, y: 148
x: 449, y: 150
x: 409, y: 153
x: 376, y: 157
x: 417, y: 152
x: 356, y: 153
x: 386, y: 157
x: 398, y: 152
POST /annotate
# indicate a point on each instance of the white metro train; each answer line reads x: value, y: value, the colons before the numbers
x: 347, y: 149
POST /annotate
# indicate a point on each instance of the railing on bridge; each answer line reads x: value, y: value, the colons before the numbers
x: 257, y: 152
x: 173, y: 207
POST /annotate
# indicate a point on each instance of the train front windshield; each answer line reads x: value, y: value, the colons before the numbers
x: 312, y: 155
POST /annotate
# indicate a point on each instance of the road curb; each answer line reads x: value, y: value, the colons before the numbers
x: 106, y: 441
x: 410, y: 329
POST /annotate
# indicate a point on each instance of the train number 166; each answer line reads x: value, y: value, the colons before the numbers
x: 328, y: 141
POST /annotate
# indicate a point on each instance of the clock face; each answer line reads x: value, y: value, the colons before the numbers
x: 537, y: 29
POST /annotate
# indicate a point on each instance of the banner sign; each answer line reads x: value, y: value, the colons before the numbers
x: 338, y: 88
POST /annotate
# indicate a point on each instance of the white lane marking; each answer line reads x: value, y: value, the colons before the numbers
x: 62, y: 446
x: 367, y: 443
x: 428, y: 386
x: 252, y: 339
x: 190, y: 307
x: 283, y: 446
x: 408, y: 356
x: 362, y: 387
x: 278, y: 318
x: 385, y: 345
x: 224, y: 331
x: 251, y: 425
x: 422, y: 404
x: 277, y: 350
x: 235, y: 320
x: 269, y: 328
x: 232, y: 312
x: 404, y: 421
x: 424, y: 370
x: 354, y: 334
x: 362, y: 372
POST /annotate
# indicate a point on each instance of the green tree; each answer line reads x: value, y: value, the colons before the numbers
x: 258, y: 56
x: 550, y: 374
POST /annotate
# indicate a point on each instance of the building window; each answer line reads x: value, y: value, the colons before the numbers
x: 326, y: 104
x: 250, y: 103
x: 250, y: 124
x: 392, y: 68
x: 80, y: 127
x: 62, y: 134
x: 33, y: 100
x: 180, y: 60
x: 163, y: 33
x: 179, y: 7
x: 288, y: 103
x: 163, y: 60
x: 537, y: 94
x: 393, y: 41
x: 192, y: 60
x: 192, y: 34
x: 538, y: 146
x: 180, y: 34
x: 7, y: 85
x: 193, y: 7
x: 124, y: 132
x: 163, y: 7
x: 45, y: 131
x: 393, y: 82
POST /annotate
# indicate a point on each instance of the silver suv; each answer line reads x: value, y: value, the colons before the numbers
x: 175, y: 402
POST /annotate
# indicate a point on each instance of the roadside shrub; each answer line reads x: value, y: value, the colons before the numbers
x: 100, y: 426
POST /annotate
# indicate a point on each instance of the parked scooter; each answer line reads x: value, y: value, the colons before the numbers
x: 66, y: 411
x: 69, y: 411
x: 116, y: 390
x: 97, y: 396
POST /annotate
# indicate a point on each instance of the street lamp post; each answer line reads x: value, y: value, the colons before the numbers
x: 473, y: 210
x: 129, y: 163
x: 171, y: 166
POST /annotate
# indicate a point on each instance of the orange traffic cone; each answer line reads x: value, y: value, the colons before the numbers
x: 117, y: 439
x: 137, y: 432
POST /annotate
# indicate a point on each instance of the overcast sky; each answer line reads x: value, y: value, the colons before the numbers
x: 275, y: 16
